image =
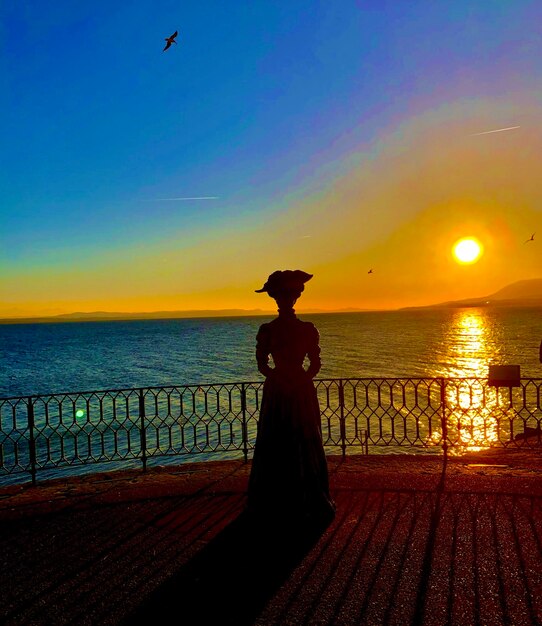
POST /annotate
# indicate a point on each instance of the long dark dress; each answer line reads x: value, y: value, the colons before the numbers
x: 289, y: 474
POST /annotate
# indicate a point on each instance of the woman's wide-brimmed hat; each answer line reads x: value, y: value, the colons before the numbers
x: 285, y: 279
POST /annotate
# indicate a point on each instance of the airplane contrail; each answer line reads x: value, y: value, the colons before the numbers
x: 498, y: 130
x: 184, y: 198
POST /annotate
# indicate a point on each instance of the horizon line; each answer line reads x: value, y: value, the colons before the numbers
x: 186, y: 312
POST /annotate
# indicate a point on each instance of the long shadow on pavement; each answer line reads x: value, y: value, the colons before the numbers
x: 232, y: 578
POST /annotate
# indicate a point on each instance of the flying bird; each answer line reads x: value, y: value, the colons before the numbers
x: 531, y: 239
x: 170, y: 40
x: 370, y: 271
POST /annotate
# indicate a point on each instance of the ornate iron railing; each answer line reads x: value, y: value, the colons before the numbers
x: 41, y: 434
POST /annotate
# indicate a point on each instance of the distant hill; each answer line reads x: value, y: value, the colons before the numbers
x: 97, y: 316
x: 524, y: 293
x: 522, y: 290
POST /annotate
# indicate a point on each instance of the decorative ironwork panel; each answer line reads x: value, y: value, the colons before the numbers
x: 193, y: 419
x: 15, y: 436
x: 481, y: 417
x: 80, y: 428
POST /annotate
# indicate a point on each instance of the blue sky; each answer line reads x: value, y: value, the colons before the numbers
x: 260, y: 104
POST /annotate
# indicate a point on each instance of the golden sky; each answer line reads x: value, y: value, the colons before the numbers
x: 395, y: 205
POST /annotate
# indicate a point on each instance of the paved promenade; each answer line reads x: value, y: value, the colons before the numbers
x: 170, y: 547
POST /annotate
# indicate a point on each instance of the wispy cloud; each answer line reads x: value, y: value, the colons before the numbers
x: 183, y: 199
x: 498, y: 130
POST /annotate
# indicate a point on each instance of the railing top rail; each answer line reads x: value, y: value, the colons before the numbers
x: 253, y: 382
x: 128, y: 389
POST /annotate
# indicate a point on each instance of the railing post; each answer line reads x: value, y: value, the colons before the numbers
x: 244, y: 422
x: 32, y: 441
x: 142, y: 432
x: 443, y: 420
x: 341, y: 423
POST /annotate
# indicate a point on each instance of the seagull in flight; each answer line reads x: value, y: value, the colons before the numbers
x: 531, y: 239
x: 370, y: 271
x: 170, y: 40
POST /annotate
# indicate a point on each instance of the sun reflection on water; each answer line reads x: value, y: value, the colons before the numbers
x: 473, y: 409
x: 468, y: 352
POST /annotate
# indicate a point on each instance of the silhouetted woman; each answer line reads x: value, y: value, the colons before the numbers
x: 289, y: 478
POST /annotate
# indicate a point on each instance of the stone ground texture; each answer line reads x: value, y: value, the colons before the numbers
x: 410, y: 544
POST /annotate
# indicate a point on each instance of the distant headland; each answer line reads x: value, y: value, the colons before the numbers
x: 523, y: 293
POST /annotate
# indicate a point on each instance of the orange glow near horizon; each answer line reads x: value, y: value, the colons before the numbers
x: 379, y: 209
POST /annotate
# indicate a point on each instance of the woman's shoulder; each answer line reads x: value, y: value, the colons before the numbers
x: 307, y: 324
x: 264, y: 329
x: 310, y: 329
x: 277, y: 325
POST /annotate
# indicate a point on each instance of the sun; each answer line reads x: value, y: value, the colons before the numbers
x: 467, y: 250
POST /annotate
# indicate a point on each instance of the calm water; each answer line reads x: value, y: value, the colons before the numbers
x: 47, y: 358
x: 73, y: 433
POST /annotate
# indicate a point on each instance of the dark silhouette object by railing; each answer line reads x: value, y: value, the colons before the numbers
x: 42, y: 434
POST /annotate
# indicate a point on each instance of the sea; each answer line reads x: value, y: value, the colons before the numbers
x: 73, y: 432
x: 83, y: 356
